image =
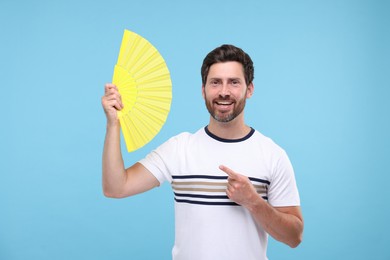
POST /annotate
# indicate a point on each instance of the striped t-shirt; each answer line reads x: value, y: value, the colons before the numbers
x: 208, y: 225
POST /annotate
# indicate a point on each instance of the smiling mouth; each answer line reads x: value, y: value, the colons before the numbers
x: 224, y: 106
x: 224, y: 103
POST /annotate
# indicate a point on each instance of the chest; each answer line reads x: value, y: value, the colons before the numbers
x: 204, y: 158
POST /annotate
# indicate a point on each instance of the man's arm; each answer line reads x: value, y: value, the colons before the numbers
x: 119, y: 182
x: 285, y: 224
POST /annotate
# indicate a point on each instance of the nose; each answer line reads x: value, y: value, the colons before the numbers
x: 225, y: 91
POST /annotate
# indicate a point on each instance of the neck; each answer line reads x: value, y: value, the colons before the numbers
x: 234, y: 129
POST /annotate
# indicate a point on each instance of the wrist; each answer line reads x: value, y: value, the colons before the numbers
x: 256, y: 203
x: 113, y: 124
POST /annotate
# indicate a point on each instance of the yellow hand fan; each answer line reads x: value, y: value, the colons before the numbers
x: 144, y: 82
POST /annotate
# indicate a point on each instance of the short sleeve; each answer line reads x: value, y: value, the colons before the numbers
x: 156, y: 165
x: 283, y: 190
x: 162, y: 161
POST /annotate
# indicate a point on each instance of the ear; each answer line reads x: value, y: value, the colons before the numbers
x: 203, y: 94
x: 250, y: 90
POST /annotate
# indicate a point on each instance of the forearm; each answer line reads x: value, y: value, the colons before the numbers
x: 285, y: 224
x: 114, y: 176
x: 284, y: 227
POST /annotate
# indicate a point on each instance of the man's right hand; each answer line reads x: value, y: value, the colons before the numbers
x: 119, y: 182
x: 112, y: 102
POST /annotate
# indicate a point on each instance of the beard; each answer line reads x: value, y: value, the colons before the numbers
x: 224, y: 117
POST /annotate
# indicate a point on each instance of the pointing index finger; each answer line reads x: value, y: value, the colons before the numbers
x: 228, y: 171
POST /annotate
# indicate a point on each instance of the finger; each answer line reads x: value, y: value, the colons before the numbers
x: 112, y: 101
x: 111, y: 91
x: 229, y: 172
x: 109, y: 86
x: 115, y: 104
x: 229, y: 194
x: 231, y: 187
x: 114, y: 96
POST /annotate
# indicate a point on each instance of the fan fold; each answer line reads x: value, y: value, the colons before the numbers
x: 144, y: 83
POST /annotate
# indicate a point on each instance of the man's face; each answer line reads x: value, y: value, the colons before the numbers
x: 225, y: 91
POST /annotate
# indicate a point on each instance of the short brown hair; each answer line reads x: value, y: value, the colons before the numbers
x: 226, y: 53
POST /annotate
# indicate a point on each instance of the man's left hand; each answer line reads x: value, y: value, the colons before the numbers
x: 239, y: 188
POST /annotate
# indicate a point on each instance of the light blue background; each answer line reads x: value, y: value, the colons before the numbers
x: 321, y: 92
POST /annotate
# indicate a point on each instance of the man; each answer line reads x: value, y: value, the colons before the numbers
x: 232, y: 185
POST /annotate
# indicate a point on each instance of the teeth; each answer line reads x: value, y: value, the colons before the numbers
x: 224, y: 103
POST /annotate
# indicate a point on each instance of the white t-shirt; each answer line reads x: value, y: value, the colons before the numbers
x: 208, y: 225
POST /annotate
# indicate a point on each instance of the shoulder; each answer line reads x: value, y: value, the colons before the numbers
x: 182, y: 139
x: 187, y: 136
x: 267, y: 143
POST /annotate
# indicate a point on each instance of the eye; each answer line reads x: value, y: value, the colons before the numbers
x: 214, y: 82
x: 235, y: 82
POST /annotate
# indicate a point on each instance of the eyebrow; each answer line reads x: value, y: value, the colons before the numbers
x: 216, y: 78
